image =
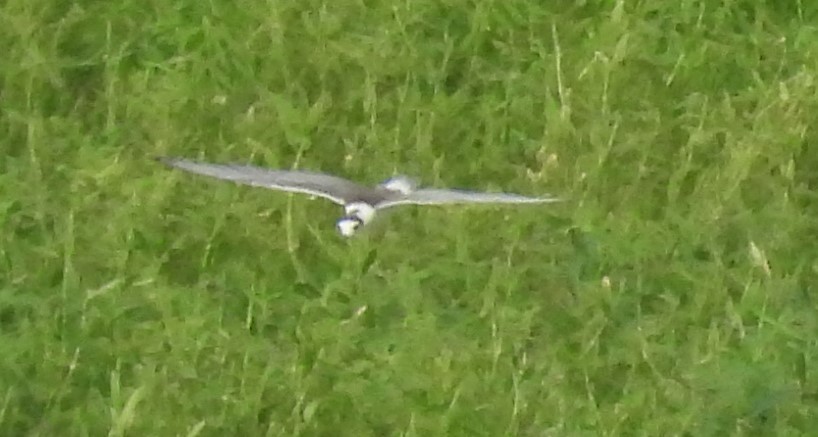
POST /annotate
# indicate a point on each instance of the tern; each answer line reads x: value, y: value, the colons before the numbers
x: 360, y: 202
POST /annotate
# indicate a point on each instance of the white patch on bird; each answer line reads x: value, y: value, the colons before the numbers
x: 347, y: 226
x: 362, y: 210
x: 401, y: 184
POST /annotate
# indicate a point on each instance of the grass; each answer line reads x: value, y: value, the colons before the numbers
x: 674, y: 294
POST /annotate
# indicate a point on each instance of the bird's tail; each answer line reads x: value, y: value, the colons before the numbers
x: 400, y: 183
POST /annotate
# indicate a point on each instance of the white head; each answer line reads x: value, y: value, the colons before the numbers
x: 347, y: 226
x: 357, y: 215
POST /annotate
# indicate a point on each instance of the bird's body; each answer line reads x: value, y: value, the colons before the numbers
x: 360, y: 202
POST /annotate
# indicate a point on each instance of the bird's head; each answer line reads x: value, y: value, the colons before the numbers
x: 357, y: 215
x: 348, y: 225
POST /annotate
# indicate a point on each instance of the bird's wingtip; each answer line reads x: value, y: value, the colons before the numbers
x: 167, y: 160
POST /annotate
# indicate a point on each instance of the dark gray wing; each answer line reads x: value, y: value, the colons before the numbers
x: 431, y: 196
x: 336, y: 189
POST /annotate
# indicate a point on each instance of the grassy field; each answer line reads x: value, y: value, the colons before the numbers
x: 674, y: 293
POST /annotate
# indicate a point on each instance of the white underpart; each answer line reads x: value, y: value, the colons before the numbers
x: 363, y: 211
x: 401, y: 184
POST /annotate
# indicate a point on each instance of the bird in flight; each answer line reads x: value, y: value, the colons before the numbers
x: 361, y: 203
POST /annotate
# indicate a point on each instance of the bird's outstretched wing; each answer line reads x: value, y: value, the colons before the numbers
x: 431, y: 196
x: 336, y: 189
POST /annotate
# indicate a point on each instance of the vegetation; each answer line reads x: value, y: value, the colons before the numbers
x: 674, y: 293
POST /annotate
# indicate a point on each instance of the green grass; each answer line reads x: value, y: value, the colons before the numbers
x: 675, y: 293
